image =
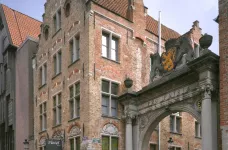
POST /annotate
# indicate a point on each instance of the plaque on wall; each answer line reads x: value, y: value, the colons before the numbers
x: 53, y: 144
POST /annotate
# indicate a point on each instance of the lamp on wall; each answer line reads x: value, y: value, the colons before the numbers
x: 170, y: 143
x: 26, y: 144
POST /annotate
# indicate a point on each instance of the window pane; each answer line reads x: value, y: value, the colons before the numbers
x: 41, y: 109
x: 71, y: 144
x: 54, y: 117
x: 113, y: 54
x: 171, y: 123
x: 115, y: 88
x: 59, y: 98
x: 196, y: 129
x: 105, y: 39
x: 72, y: 51
x: 105, y: 105
x: 71, y: 109
x: 78, y: 106
x: 60, y: 61
x: 77, y: 89
x: 45, y: 107
x: 60, y: 115
x: 152, y: 147
x: 78, y: 143
x: 71, y: 92
x: 54, y: 101
x: 55, y: 64
x: 104, y: 51
x: 178, y: 124
x: 114, y: 107
x: 114, y: 143
x: 114, y: 43
x: 105, y: 86
x: 178, y: 148
x: 105, y: 143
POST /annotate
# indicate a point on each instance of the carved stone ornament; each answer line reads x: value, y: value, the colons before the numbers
x: 206, y: 90
x: 42, y: 141
x: 110, y: 129
x: 178, y: 53
x: 143, y: 122
x: 75, y: 131
x: 59, y: 135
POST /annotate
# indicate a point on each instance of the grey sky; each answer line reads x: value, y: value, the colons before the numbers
x: 176, y: 14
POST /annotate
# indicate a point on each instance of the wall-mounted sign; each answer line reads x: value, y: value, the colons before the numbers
x: 53, y: 144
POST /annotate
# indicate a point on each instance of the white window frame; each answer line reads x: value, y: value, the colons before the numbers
x: 110, y: 36
x: 57, y: 59
x: 57, y: 108
x: 75, y: 141
x: 110, y: 139
x: 74, y: 43
x: 76, y: 108
x: 198, y: 131
x: 153, y: 144
x: 175, y: 116
x: 42, y: 114
x: 110, y: 95
x: 176, y: 147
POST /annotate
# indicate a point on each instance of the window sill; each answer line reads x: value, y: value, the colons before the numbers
x: 111, y: 60
x: 73, y: 62
x: 110, y: 117
x: 176, y: 133
x: 74, y: 119
x: 198, y: 137
x: 42, y: 86
x: 58, y: 125
x: 56, y: 75
x: 56, y: 32
x: 43, y: 131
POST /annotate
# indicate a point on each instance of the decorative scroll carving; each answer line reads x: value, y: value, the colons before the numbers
x: 59, y: 135
x: 42, y: 141
x: 110, y: 129
x: 75, y: 131
x: 178, y: 52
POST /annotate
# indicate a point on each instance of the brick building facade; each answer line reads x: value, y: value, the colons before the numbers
x: 86, y: 51
x: 223, y: 31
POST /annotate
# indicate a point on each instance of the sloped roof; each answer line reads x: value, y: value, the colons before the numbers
x: 20, y: 25
x: 120, y: 7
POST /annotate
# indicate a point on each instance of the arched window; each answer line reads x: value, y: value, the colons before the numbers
x: 74, y: 138
x: 46, y: 32
x: 67, y: 7
x: 110, y: 137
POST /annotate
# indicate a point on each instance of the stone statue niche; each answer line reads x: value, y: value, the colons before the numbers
x: 179, y: 51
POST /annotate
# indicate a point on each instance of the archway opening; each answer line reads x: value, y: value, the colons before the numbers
x: 178, y: 124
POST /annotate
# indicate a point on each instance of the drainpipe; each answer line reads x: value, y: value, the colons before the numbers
x: 159, y: 33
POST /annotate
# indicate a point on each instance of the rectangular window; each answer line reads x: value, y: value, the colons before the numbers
x: 197, y: 129
x: 43, y: 116
x: 57, y: 59
x: 57, y: 109
x: 175, y: 123
x: 57, y: 20
x: 43, y: 74
x: 75, y: 48
x: 74, y: 100
x: 175, y: 148
x: 109, y: 143
x: 110, y: 46
x: 75, y: 143
x: 109, y: 98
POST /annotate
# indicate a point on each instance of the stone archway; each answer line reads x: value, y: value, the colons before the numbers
x: 193, y: 88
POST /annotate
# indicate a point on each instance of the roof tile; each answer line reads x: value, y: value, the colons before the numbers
x: 120, y: 7
x: 20, y: 25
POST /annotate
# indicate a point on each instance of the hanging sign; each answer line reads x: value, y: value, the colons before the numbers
x: 53, y: 144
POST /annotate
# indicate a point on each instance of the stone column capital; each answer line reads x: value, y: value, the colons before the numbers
x: 206, y: 90
x: 130, y: 112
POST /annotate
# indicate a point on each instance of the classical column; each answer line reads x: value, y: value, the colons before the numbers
x: 129, y: 144
x: 206, y: 119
